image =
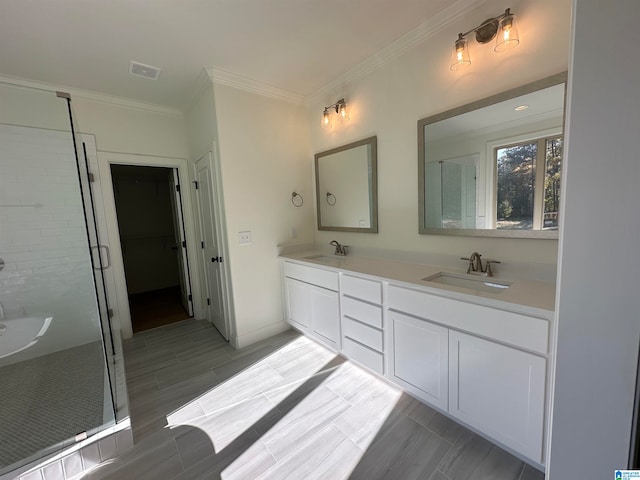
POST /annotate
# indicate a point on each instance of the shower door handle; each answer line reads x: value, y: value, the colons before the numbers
x: 107, y: 257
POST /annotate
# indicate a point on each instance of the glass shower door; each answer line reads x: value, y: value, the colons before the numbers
x: 55, y: 350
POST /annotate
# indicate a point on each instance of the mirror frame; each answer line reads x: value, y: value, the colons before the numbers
x: 485, y: 102
x: 373, y: 142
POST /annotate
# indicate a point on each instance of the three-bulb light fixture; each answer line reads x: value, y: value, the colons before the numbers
x: 341, y: 113
x: 503, y: 28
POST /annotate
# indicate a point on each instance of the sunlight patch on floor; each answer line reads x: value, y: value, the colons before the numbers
x: 304, y: 403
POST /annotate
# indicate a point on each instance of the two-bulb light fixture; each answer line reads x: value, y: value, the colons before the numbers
x: 341, y: 113
x: 503, y: 28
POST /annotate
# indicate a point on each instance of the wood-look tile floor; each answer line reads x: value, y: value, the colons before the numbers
x: 285, y: 408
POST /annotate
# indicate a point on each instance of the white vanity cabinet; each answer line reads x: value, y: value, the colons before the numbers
x: 480, y: 360
x: 419, y: 358
x: 493, y: 386
x: 499, y: 390
x: 312, y: 303
x: 362, y: 325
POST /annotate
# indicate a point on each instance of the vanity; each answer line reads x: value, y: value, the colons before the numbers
x: 479, y: 355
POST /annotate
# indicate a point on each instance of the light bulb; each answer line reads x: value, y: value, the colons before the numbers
x: 326, y: 119
x: 507, y: 32
x: 460, y: 57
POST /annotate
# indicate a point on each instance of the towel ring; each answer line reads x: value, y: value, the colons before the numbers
x: 297, y: 203
x: 329, y: 197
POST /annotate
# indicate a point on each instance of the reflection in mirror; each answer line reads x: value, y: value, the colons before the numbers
x: 346, y: 187
x: 492, y: 168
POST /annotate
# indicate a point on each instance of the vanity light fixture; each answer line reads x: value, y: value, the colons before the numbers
x: 503, y: 28
x: 342, y: 113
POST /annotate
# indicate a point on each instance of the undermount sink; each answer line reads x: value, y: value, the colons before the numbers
x: 323, y: 258
x: 479, y: 284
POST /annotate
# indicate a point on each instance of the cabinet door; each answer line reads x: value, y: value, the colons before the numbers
x: 499, y: 390
x: 325, y: 315
x: 419, y: 358
x: 298, y: 295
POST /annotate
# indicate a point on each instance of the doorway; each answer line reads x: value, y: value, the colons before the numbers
x: 152, y: 238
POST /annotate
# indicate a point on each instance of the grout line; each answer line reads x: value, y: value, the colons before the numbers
x: 444, y: 474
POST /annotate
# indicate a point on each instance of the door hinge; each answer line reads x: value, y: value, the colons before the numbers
x: 202, y: 244
x: 110, y: 313
x: 208, y: 301
x: 195, y: 184
x: 184, y: 244
x: 91, y: 177
x: 177, y: 188
x: 190, y: 297
x: 216, y: 259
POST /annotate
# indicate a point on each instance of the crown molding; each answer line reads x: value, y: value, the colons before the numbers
x: 412, y: 38
x: 90, y: 96
x: 229, y: 79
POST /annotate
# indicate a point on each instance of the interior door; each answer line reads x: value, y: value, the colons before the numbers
x: 180, y: 242
x: 210, y: 243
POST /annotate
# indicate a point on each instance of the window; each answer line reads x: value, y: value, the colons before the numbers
x: 528, y: 184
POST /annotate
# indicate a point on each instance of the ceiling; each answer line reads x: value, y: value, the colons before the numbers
x: 295, y: 45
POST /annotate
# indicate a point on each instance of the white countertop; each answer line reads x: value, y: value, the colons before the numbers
x: 523, y: 296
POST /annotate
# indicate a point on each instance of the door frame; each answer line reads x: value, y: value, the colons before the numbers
x: 105, y: 160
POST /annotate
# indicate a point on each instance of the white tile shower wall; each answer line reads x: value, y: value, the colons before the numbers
x: 43, y: 239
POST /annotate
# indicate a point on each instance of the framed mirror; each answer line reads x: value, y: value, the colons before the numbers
x: 493, y: 167
x: 347, y: 187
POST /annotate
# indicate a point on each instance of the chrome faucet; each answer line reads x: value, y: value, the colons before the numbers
x: 340, y: 249
x: 475, y: 265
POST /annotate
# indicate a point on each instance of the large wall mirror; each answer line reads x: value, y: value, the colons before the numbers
x: 493, y: 167
x: 346, y: 187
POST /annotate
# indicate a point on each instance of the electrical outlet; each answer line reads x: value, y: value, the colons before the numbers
x: 244, y: 238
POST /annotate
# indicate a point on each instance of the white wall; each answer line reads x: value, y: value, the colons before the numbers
x: 131, y: 129
x: 389, y: 101
x: 264, y: 150
x: 599, y: 267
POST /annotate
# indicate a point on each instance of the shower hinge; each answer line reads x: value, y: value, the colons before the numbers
x: 202, y: 244
x: 178, y: 188
x: 195, y: 184
x: 110, y: 313
x: 184, y: 244
x: 63, y: 95
x: 91, y: 177
x: 208, y: 301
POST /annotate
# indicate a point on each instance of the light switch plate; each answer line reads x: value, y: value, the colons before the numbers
x: 244, y: 238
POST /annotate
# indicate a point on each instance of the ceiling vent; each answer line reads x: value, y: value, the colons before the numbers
x: 144, y: 71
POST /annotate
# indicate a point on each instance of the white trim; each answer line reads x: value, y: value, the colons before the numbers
x: 229, y: 79
x: 105, y: 159
x: 412, y: 38
x: 91, y: 96
x: 240, y: 341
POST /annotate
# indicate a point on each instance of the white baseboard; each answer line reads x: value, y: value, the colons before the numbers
x: 246, y: 339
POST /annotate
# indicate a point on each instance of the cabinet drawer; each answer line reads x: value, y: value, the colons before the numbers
x: 364, y: 334
x: 315, y: 276
x: 363, y: 355
x: 516, y: 329
x: 368, y: 290
x: 365, y: 312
